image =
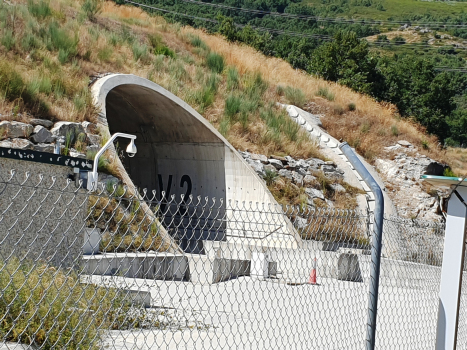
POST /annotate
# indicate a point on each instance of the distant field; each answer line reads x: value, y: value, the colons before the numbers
x: 392, y: 9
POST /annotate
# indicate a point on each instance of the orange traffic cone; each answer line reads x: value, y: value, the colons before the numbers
x: 312, y: 279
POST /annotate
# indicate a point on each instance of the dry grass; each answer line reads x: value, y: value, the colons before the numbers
x: 351, y: 126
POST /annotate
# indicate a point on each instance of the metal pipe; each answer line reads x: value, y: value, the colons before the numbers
x: 92, y: 175
x: 376, y: 242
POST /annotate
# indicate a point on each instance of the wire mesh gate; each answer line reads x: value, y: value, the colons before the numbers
x: 117, y: 270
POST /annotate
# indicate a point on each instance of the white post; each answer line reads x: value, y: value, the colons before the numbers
x: 451, y: 272
x: 92, y: 175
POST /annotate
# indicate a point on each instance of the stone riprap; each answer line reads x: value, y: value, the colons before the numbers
x: 299, y: 172
x: 402, y: 179
x: 41, y: 135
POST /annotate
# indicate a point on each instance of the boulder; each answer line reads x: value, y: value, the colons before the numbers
x: 276, y: 163
x: 314, y: 193
x: 257, y: 166
x: 297, y: 178
x: 42, y: 122
x: 315, y: 162
x: 94, y: 139
x: 404, y: 143
x: 93, y: 148
x: 282, y: 159
x: 309, y: 179
x: 285, y: 173
x: 338, y: 188
x: 270, y: 167
x: 89, y: 128
x: 74, y: 153
x: 300, y: 223
x: 42, y: 135
x: 263, y: 159
x: 302, y: 171
x: 44, y: 147
x: 63, y: 128
x: 11, y: 130
x: 289, y: 159
x: 328, y: 168
x: 22, y: 144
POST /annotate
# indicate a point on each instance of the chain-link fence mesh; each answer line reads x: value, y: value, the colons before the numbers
x: 117, y: 270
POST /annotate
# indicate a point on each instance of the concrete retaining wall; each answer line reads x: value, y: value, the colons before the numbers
x: 38, y: 223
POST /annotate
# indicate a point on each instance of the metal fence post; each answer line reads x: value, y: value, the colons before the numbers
x: 376, y: 243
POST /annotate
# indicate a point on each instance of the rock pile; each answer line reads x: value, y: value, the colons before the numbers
x: 402, y: 178
x: 299, y: 171
x: 41, y: 135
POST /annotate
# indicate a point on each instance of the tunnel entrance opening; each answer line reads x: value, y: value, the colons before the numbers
x: 177, y: 156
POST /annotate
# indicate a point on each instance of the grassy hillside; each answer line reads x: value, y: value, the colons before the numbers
x: 391, y: 9
x: 50, y: 49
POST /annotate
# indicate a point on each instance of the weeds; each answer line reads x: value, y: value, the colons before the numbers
x: 91, y: 8
x: 270, y: 176
x: 232, y: 105
x: 8, y: 39
x: 351, y: 106
x: 215, y: 62
x: 295, y: 96
x: 394, y: 130
x: 140, y: 52
x: 324, y: 92
x: 39, y: 9
x: 233, y: 78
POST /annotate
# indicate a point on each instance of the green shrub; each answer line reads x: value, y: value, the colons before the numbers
x: 394, y: 130
x: 115, y: 39
x: 49, y: 308
x: 324, y: 92
x: 140, y: 51
x: 159, y: 48
x: 105, y: 54
x: 254, y: 85
x: 164, y: 50
x: 30, y: 41
x: 197, y: 42
x: 449, y: 173
x: 66, y: 45
x: 215, y: 62
x: 177, y: 70
x: 351, y: 106
x: 337, y: 109
x: 224, y: 126
x: 8, y: 39
x: 40, y: 84
x: 270, y: 176
x: 233, y: 78
x: 280, y: 90
x: 295, y: 96
x: 365, y: 128
x: 12, y: 85
x: 425, y: 144
x: 232, y: 105
x: 91, y: 8
x: 39, y: 9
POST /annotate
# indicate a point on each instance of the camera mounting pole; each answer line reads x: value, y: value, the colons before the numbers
x: 131, y: 150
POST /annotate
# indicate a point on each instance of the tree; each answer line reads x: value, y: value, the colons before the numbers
x: 345, y: 60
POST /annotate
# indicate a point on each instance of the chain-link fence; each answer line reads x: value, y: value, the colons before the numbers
x: 115, y: 269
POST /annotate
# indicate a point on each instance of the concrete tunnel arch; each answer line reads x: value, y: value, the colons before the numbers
x: 179, y: 152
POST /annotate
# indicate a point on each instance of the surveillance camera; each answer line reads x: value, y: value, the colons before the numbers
x: 131, y: 149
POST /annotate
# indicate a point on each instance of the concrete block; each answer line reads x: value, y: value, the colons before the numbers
x: 348, y: 268
x: 92, y: 240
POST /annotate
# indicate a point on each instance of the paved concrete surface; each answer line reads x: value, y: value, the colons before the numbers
x: 247, y: 313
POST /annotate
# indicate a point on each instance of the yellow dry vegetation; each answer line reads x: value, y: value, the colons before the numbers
x: 369, y: 128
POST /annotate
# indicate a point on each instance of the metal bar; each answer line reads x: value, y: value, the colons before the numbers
x: 376, y: 243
